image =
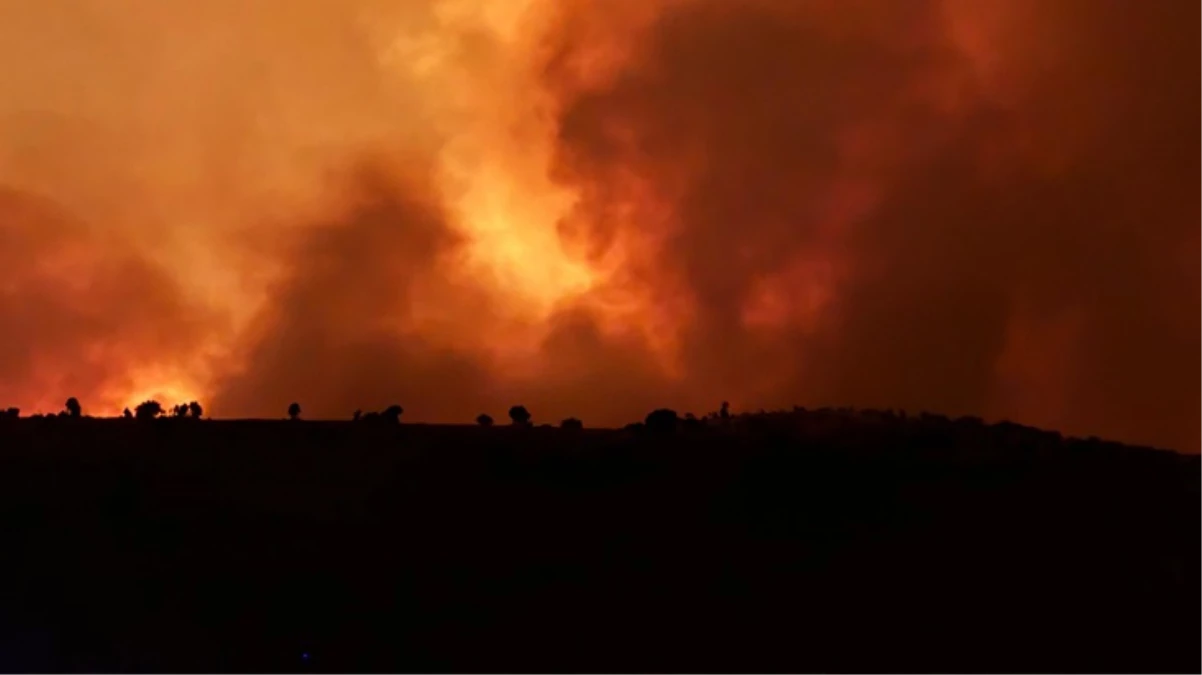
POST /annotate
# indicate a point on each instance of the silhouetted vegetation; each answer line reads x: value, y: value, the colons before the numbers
x: 661, y: 421
x: 72, y: 408
x: 484, y: 420
x: 571, y: 423
x: 294, y: 411
x: 392, y: 414
x: 148, y: 410
x: 519, y: 416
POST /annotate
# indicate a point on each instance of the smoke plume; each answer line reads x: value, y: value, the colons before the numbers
x: 596, y: 207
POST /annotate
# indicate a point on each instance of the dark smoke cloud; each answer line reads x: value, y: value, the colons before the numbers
x: 338, y: 330
x: 738, y: 110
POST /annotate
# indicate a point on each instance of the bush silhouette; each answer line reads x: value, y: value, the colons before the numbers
x: 662, y: 421
x: 148, y: 410
x: 195, y: 410
x: 73, y: 407
x: 484, y: 420
x: 12, y: 413
x: 393, y: 414
x: 127, y: 414
x: 294, y: 411
x: 519, y: 415
x: 571, y: 423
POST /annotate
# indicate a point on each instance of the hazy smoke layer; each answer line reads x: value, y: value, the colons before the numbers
x: 595, y: 207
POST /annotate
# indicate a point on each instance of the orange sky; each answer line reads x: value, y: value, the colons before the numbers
x: 596, y: 207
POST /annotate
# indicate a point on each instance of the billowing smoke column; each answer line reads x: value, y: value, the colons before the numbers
x: 595, y: 208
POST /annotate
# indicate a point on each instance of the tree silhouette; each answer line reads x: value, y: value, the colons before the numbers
x: 180, y: 410
x: 357, y: 416
x: 393, y: 413
x: 484, y: 420
x: 12, y: 413
x: 127, y: 414
x: 195, y: 410
x: 571, y: 423
x: 519, y: 415
x: 662, y: 420
x: 148, y: 410
x: 73, y: 407
x: 724, y: 413
x: 294, y: 411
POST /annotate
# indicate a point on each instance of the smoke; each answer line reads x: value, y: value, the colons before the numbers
x: 79, y: 314
x: 595, y: 208
x: 968, y: 207
x: 175, y: 146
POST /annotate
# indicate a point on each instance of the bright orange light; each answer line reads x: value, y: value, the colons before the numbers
x: 513, y: 239
x: 493, y: 165
x: 167, y: 388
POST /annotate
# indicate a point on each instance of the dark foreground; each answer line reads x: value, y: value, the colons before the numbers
x: 791, y: 545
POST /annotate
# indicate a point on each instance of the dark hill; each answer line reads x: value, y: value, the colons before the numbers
x: 800, y: 542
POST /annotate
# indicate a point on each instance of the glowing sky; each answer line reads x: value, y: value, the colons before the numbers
x: 597, y: 207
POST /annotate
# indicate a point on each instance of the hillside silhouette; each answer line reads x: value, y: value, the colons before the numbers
x: 828, y: 540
